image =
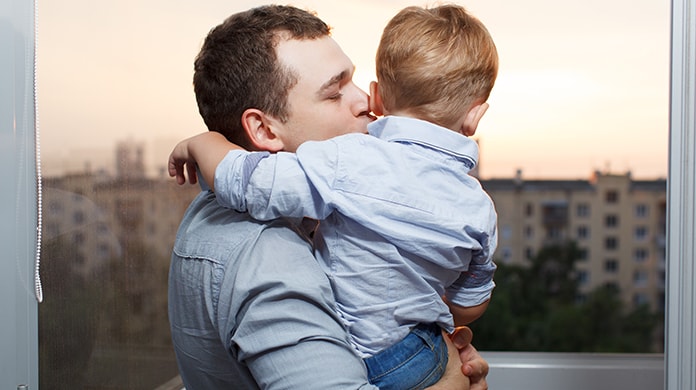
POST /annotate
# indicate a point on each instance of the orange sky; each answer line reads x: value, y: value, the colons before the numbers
x: 582, y: 85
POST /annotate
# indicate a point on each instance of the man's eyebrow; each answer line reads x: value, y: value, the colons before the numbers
x: 333, y: 81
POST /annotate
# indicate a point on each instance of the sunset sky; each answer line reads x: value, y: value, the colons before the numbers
x: 583, y: 85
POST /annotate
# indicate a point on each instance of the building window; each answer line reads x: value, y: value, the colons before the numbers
x: 507, y: 255
x: 529, y: 210
x: 582, y: 210
x: 640, y: 278
x: 103, y: 251
x: 528, y: 253
x: 78, y: 238
x: 611, y: 243
x: 78, y: 217
x: 79, y: 259
x: 640, y: 299
x: 528, y: 232
x: 583, y: 277
x: 583, y: 254
x: 611, y: 221
x: 640, y: 255
x: 506, y: 232
x: 641, y: 233
x: 611, y: 266
x: 583, y: 232
x: 612, y: 196
x: 554, y: 233
x: 641, y: 211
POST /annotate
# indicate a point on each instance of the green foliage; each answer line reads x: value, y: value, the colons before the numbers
x: 535, y: 308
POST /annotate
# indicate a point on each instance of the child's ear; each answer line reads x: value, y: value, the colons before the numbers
x: 375, y: 100
x: 472, y: 118
x: 260, y: 129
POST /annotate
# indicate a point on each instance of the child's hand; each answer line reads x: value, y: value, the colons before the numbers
x: 180, y: 158
x: 204, y: 151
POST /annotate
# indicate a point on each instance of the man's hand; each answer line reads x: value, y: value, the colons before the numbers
x: 452, y: 379
x: 473, y: 365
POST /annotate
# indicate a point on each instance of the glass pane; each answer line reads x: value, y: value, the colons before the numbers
x: 573, y: 151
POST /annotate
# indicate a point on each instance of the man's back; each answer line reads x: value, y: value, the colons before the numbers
x: 247, y: 300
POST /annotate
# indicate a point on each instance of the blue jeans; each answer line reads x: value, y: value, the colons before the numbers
x: 415, y: 362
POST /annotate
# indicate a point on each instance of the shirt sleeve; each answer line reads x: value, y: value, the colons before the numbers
x: 232, y: 175
x: 476, y: 285
x: 270, y: 186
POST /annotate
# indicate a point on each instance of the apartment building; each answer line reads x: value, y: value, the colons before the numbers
x: 133, y: 207
x: 617, y: 222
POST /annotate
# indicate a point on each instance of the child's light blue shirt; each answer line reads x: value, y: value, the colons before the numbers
x: 402, y: 221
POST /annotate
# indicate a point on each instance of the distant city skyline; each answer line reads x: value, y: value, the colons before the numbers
x: 156, y: 152
x: 582, y: 86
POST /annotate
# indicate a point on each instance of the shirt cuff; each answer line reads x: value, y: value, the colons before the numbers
x: 232, y: 176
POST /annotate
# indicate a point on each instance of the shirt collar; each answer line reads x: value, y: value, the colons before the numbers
x: 410, y: 130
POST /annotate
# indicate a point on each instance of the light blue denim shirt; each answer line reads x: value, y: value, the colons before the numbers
x: 402, y: 221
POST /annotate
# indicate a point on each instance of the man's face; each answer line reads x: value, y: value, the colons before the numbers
x: 324, y: 103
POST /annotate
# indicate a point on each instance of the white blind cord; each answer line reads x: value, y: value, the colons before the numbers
x: 38, y: 289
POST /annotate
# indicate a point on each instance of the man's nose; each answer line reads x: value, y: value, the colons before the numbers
x: 359, y: 100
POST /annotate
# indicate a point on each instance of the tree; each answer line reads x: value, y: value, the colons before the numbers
x: 536, y: 308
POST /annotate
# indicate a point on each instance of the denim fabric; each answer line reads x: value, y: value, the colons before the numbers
x: 403, y: 222
x: 416, y: 362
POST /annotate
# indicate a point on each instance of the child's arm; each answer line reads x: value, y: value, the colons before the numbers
x: 206, y: 150
x: 466, y: 315
x: 468, y: 297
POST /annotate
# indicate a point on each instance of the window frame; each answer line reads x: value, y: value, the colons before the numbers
x: 508, y: 370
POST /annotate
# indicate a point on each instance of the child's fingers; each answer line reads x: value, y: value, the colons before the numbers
x: 191, y: 169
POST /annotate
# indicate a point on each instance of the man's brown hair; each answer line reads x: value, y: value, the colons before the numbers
x: 237, y: 67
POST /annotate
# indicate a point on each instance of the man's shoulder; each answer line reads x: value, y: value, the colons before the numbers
x: 209, y: 230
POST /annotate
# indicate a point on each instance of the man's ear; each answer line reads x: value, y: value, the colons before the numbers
x: 260, y: 129
x: 472, y: 118
x: 376, y: 105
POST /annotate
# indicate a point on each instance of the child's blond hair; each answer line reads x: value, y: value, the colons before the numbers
x: 435, y: 63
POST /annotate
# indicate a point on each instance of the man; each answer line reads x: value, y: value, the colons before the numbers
x: 249, y: 306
